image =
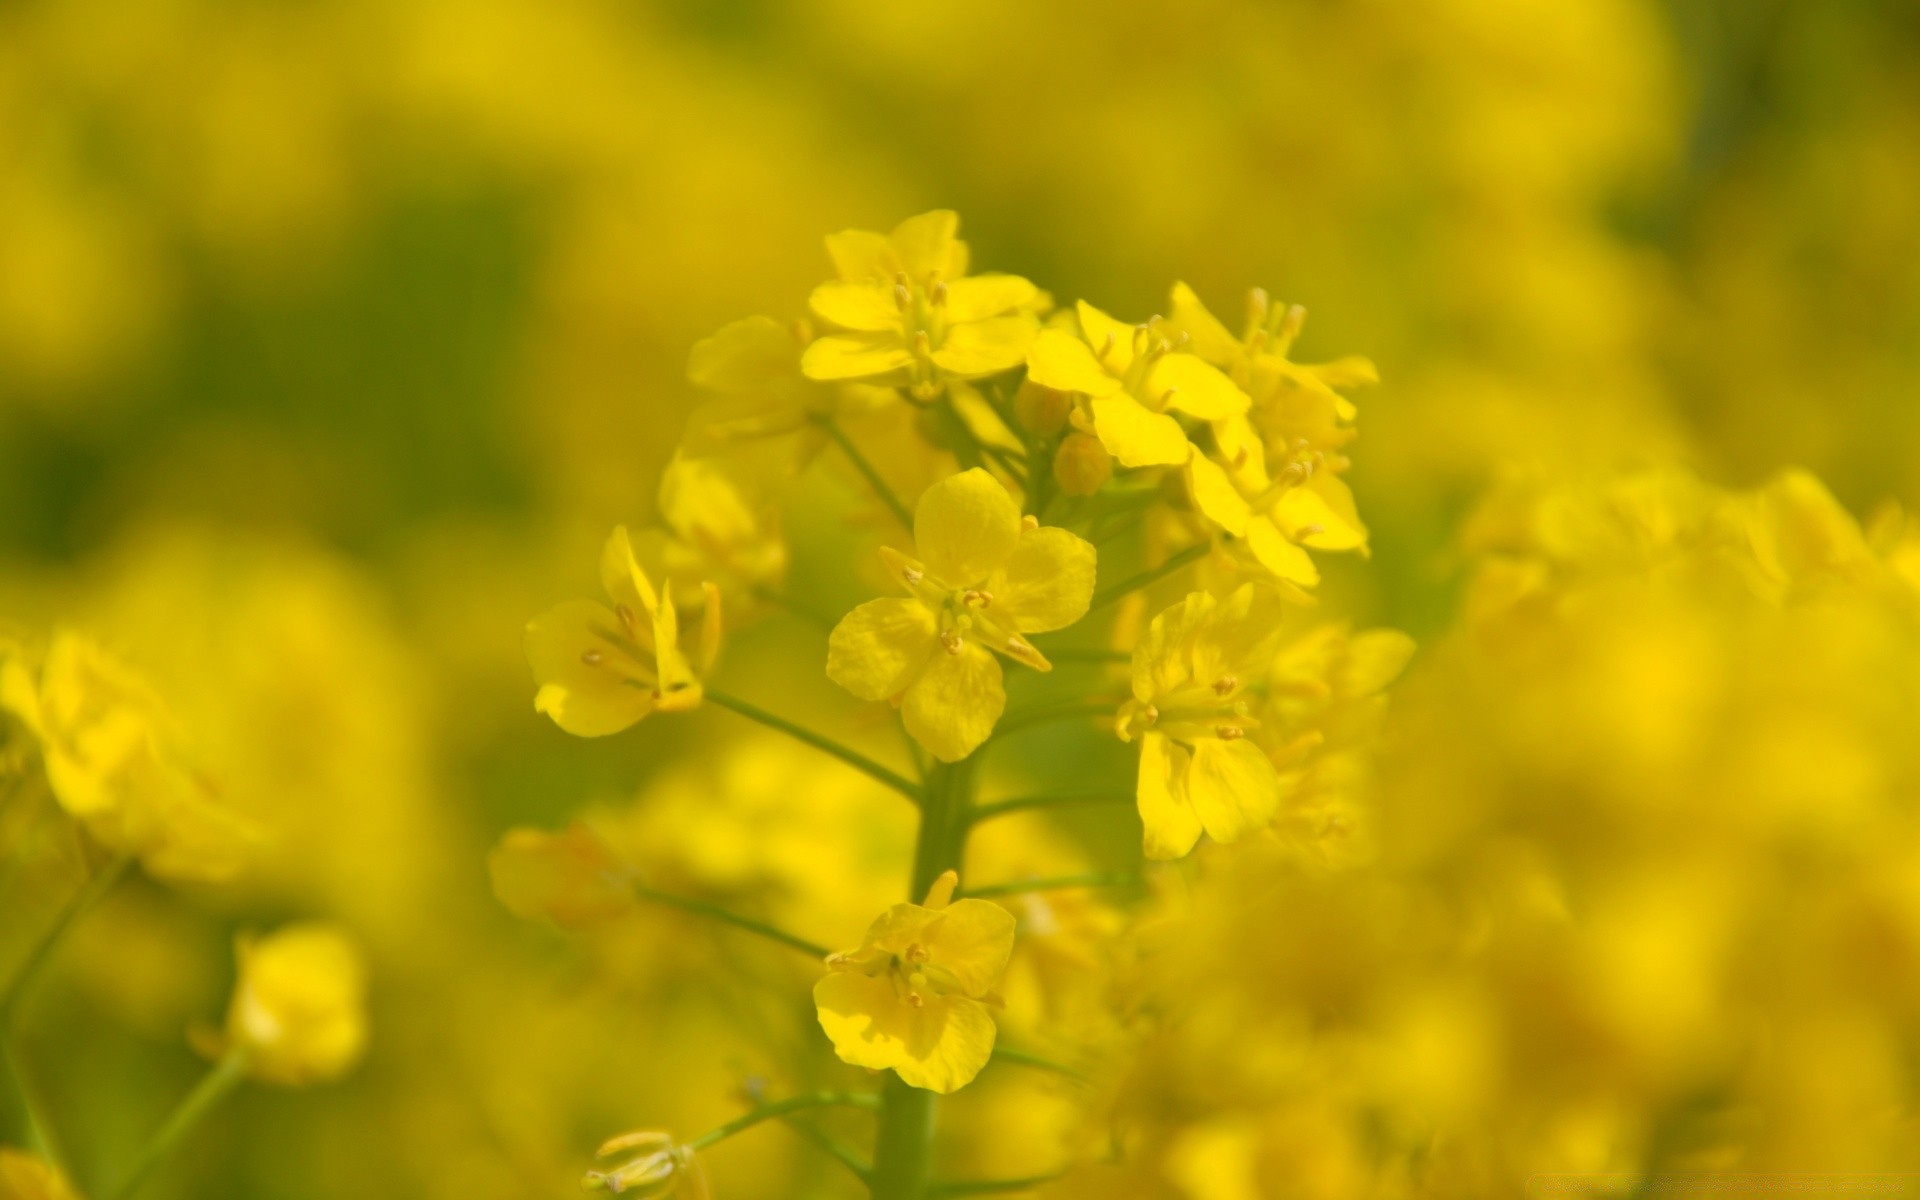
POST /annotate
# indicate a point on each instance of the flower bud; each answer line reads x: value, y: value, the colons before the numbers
x: 1041, y: 410
x: 1081, y: 465
x: 299, y: 1010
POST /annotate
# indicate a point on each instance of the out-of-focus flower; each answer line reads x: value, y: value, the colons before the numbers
x: 986, y: 578
x: 716, y: 528
x: 914, y: 996
x: 572, y: 878
x: 113, y: 759
x: 601, y: 669
x: 26, y: 1176
x: 1192, y: 674
x: 912, y: 314
x: 298, y: 1014
x: 660, y: 1167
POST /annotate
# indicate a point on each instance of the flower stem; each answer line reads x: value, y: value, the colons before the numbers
x: 1000, y: 808
x: 860, y: 464
x: 982, y: 1187
x: 1018, y: 887
x: 1149, y: 576
x: 38, y: 1128
x: 780, y: 1108
x: 1024, y: 1058
x: 1046, y: 715
x: 92, y: 893
x: 831, y: 1147
x: 222, y: 1079
x: 716, y: 913
x: 852, y: 758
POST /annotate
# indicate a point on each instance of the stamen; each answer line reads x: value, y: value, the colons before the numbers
x: 951, y: 641
x: 626, y: 616
x: 1029, y: 522
x: 902, y: 298
x: 592, y: 658
x: 976, y: 598
x: 913, y: 576
x: 1229, y: 733
x: 1307, y: 531
x: 1225, y: 685
x: 939, y: 293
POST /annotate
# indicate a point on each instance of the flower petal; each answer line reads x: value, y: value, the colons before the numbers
x: 951, y: 709
x: 985, y: 347
x: 587, y: 699
x: 940, y: 1045
x: 1215, y: 496
x: 1232, y: 787
x: 880, y: 647
x: 1195, y: 387
x: 866, y: 305
x: 854, y: 356
x: 1111, y: 340
x: 961, y: 1046
x: 924, y: 245
x: 1324, y: 505
x: 978, y: 297
x: 1171, y: 825
x: 861, y: 254
x: 973, y: 939
x: 620, y: 575
x: 1206, y: 336
x: 744, y: 356
x: 1136, y: 437
x: 1063, y: 362
x: 1047, y: 583
x: 1272, y: 550
x: 965, y: 526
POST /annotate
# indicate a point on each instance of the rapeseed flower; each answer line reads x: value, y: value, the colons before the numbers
x: 986, y: 577
x: 602, y: 669
x: 660, y: 1167
x: 910, y: 315
x: 914, y: 997
x: 1194, y: 677
x: 298, y: 1014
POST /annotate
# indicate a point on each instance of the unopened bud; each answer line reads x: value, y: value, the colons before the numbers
x: 1041, y: 410
x: 1082, y: 465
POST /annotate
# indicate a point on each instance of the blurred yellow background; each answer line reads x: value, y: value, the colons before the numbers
x: 335, y: 335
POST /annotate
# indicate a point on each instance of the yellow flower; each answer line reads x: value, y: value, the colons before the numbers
x: 26, y: 1176
x: 716, y: 528
x: 661, y: 1167
x: 1191, y: 677
x: 985, y: 577
x: 111, y: 753
x: 601, y: 669
x: 299, y: 1011
x: 572, y: 878
x: 914, y: 996
x: 912, y: 315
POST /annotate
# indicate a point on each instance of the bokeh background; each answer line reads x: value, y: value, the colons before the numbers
x: 335, y: 335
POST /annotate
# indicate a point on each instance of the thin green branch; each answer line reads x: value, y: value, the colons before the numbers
x: 714, y: 912
x: 831, y: 1147
x: 867, y: 472
x: 1149, y: 576
x: 1047, y: 714
x: 780, y: 600
x: 37, y: 958
x: 1000, y: 808
x: 1095, y: 879
x: 40, y: 1134
x: 982, y: 1187
x: 780, y: 1108
x: 222, y: 1079
x: 852, y: 758
x: 1024, y: 1058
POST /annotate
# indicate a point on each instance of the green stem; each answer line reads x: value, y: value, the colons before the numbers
x: 222, y: 1079
x: 1000, y: 808
x: 866, y: 470
x: 1084, y: 654
x: 715, y: 913
x: 1025, y: 1058
x: 37, y: 958
x: 982, y: 1187
x: 780, y: 1108
x: 1149, y: 576
x: 852, y: 758
x: 831, y: 1147
x: 903, y: 1144
x: 1028, y: 718
x: 40, y: 1136
x: 1101, y: 879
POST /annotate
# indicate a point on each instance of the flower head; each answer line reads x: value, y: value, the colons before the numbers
x: 601, y: 669
x: 660, y: 1167
x: 914, y: 997
x: 911, y: 315
x: 985, y: 577
x: 299, y: 1011
x: 1192, y: 675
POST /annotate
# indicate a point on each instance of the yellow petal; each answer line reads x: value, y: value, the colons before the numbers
x: 1320, y: 513
x: 747, y: 355
x: 1112, y: 341
x: 1136, y: 437
x: 940, y: 1045
x: 587, y: 699
x: 1232, y: 787
x: 978, y: 297
x: 1171, y: 824
x: 1374, y: 660
x: 620, y: 574
x: 1215, y: 496
x: 861, y: 254
x: 924, y: 245
x: 961, y: 1032
x: 973, y: 939
x: 1206, y: 336
x: 880, y: 647
x: 1063, y: 362
x: 571, y: 878
x: 1191, y: 385
x: 951, y: 709
x: 985, y: 347
x: 854, y: 356
x: 1047, y: 583
x: 1272, y: 550
x: 865, y: 305
x: 964, y: 527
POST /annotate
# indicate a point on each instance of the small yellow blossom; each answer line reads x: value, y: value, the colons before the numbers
x: 601, y: 669
x: 111, y: 753
x: 914, y: 997
x: 1192, y: 675
x: 299, y: 1011
x: 660, y: 1167
x: 26, y: 1176
x: 985, y: 578
x: 715, y: 527
x: 572, y: 878
x: 911, y: 314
